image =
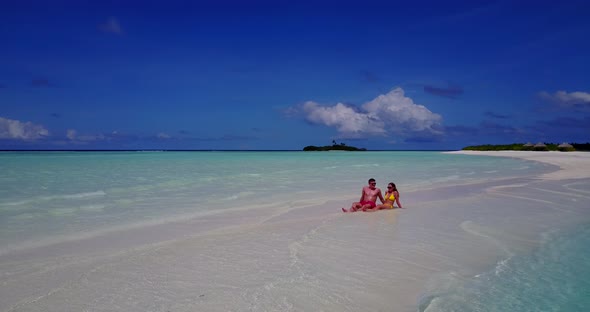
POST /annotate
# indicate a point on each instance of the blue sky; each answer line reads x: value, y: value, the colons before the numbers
x: 251, y: 75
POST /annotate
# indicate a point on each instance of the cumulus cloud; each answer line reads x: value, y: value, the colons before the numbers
x: 111, y: 26
x: 388, y: 114
x: 342, y: 117
x: 14, y: 129
x: 568, y: 100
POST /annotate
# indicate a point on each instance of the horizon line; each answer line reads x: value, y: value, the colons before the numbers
x: 210, y: 150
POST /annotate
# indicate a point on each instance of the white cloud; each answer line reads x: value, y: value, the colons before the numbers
x: 71, y: 134
x: 343, y: 117
x: 162, y: 135
x: 400, y: 115
x: 14, y: 129
x: 566, y: 99
x: 392, y: 113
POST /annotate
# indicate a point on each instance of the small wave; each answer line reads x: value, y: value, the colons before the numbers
x: 366, y: 165
x: 92, y: 208
x: 238, y: 195
x: 446, y: 179
x: 440, y: 287
x: 24, y: 216
x: 83, y: 195
x: 16, y: 203
x: 502, y: 266
x: 55, y: 197
x: 560, y: 257
x: 487, y: 233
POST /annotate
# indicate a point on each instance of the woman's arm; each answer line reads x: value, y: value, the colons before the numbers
x: 380, y: 197
x: 397, y: 199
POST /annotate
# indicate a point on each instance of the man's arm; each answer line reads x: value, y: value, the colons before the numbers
x: 362, y: 195
x: 380, y: 197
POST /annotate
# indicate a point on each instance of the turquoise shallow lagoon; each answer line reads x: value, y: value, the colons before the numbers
x: 262, y: 231
x: 50, y: 194
x: 554, y: 277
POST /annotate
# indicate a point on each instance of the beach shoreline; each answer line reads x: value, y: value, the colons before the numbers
x: 312, y: 256
x: 574, y: 165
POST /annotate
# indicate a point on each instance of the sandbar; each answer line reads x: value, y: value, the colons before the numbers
x: 574, y: 165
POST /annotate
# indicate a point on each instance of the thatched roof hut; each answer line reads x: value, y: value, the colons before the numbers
x: 540, y: 147
x: 527, y: 147
x: 565, y: 147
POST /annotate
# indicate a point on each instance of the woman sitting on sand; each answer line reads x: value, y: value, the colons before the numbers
x: 392, y: 195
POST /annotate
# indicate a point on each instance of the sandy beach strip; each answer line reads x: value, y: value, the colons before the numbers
x: 314, y: 258
x: 574, y: 165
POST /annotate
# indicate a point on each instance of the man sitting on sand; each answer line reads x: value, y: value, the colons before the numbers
x: 391, y: 196
x: 368, y: 199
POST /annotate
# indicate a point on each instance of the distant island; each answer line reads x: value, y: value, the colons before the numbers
x: 563, y: 147
x: 334, y: 147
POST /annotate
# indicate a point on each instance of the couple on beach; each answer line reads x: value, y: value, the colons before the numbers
x: 369, y: 195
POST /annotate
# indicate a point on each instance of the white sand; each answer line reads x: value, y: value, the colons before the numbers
x: 574, y: 165
x: 308, y: 259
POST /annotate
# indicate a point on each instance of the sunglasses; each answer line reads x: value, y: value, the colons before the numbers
x: 373, y: 183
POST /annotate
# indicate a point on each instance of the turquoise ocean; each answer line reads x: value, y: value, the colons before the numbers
x: 47, y: 197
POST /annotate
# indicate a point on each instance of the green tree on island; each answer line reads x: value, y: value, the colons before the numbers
x: 334, y: 147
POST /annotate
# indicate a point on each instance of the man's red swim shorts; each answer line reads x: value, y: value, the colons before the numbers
x: 368, y: 202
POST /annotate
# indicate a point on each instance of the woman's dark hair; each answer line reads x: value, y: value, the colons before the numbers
x: 393, y: 186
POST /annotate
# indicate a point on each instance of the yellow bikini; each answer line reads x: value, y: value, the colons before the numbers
x: 391, y: 198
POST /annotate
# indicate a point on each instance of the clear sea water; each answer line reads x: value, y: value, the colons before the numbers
x: 44, y: 194
x: 48, y: 196
x: 556, y: 277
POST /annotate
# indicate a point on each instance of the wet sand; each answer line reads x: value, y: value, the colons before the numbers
x: 307, y: 259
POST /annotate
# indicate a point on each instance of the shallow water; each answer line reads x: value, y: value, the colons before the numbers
x: 44, y: 194
x: 261, y: 231
x: 555, y: 277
